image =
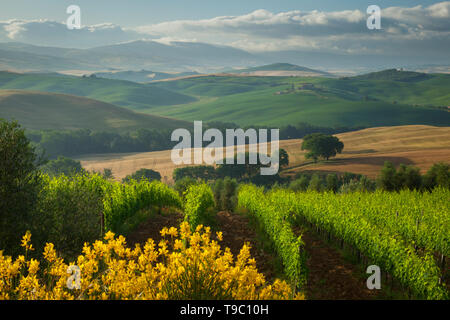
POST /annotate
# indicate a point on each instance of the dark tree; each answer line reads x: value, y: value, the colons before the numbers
x: 284, y: 158
x: 19, y: 184
x: 62, y: 165
x: 321, y: 145
x: 141, y: 174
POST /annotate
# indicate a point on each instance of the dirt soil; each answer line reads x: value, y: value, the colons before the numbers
x: 152, y: 227
x: 330, y: 276
x: 236, y: 231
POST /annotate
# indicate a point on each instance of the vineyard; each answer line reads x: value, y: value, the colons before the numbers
x: 405, y: 234
x: 86, y: 219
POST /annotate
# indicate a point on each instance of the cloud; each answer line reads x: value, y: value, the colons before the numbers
x: 343, y: 31
x: 415, y: 30
x: 52, y: 33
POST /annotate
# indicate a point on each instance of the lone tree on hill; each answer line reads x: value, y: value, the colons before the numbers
x: 321, y: 145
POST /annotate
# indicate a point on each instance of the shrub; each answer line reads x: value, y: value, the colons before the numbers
x: 199, y: 204
x: 300, y: 184
x: 189, y: 266
x: 70, y: 212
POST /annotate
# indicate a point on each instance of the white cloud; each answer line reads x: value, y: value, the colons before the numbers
x: 415, y: 30
x: 52, y: 33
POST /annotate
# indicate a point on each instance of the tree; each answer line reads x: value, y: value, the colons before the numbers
x: 321, y: 145
x: 437, y: 175
x: 141, y: 174
x: 20, y: 184
x: 332, y: 182
x: 387, y: 178
x: 62, y: 165
x: 315, y: 184
x: 284, y: 158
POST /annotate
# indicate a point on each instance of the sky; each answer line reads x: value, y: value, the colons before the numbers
x: 132, y: 13
x: 408, y: 27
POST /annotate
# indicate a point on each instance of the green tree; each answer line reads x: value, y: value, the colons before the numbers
x: 19, y: 185
x: 141, y: 174
x: 387, y: 179
x: 437, y: 175
x: 332, y: 182
x: 284, y: 158
x: 62, y: 165
x: 300, y: 184
x: 315, y: 184
x: 321, y: 146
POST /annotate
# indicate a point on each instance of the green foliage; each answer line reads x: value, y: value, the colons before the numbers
x: 406, y: 177
x: 141, y: 174
x: 62, y: 165
x: 199, y: 205
x: 69, y: 212
x: 300, y: 184
x: 332, y: 183
x: 321, y: 145
x: 225, y: 193
x: 316, y: 183
x: 122, y: 201
x: 204, y: 173
x: 284, y: 158
x: 364, y: 184
x: 437, y: 176
x: 19, y: 184
x: 76, y: 142
x: 385, y: 227
x: 273, y: 216
x: 183, y: 184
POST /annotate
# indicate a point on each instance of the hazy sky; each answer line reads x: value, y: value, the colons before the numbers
x: 130, y: 13
x: 409, y: 27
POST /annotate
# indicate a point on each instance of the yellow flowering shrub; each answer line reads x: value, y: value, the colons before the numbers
x: 186, y: 264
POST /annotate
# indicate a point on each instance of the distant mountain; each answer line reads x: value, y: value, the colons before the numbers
x: 43, y: 110
x: 189, y: 54
x: 135, y: 55
x: 122, y: 93
x: 143, y: 75
x: 282, y: 69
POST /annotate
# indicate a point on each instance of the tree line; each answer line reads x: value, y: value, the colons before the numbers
x: 54, y: 143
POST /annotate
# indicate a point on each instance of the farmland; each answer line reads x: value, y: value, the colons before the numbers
x: 365, y: 153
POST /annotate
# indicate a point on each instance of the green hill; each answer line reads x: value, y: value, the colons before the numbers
x: 281, y: 67
x: 316, y: 100
x: 122, y: 93
x: 41, y: 110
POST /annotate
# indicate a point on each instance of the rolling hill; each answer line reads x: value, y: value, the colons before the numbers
x: 282, y: 69
x: 320, y: 101
x: 122, y: 93
x: 42, y: 110
x: 365, y: 152
x: 143, y: 75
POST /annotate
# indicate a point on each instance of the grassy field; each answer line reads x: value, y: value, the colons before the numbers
x: 122, y: 93
x: 365, y: 152
x: 42, y: 110
x: 386, y: 100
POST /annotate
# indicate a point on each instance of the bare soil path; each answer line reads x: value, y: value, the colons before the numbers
x: 330, y: 276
